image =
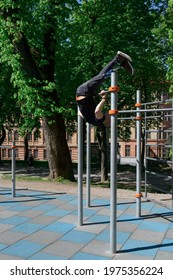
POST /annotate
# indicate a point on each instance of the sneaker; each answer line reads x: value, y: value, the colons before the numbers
x: 128, y: 67
x: 124, y: 61
x: 123, y: 56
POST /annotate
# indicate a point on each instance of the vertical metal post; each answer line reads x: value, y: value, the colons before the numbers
x: 88, y: 165
x: 146, y: 151
x: 113, y: 167
x: 80, y: 170
x: 13, y: 173
x: 138, y: 156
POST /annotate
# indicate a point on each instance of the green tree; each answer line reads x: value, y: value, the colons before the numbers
x: 168, y: 28
x: 33, y: 36
x: 102, y: 28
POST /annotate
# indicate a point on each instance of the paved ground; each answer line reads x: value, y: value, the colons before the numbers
x: 41, y: 222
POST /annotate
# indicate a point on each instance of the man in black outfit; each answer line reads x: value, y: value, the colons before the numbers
x: 91, y: 112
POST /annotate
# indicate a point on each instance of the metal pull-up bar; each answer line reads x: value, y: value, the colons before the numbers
x: 113, y: 163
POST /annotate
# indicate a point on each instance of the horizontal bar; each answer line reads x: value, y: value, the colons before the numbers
x: 159, y: 160
x: 157, y: 130
x: 149, y: 117
x: 157, y: 102
x: 145, y: 110
x: 128, y: 118
x: 159, y: 145
x: 159, y: 174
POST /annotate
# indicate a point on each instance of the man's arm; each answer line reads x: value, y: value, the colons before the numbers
x: 99, y: 107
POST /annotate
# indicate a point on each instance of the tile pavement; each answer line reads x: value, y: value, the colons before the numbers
x: 39, y: 225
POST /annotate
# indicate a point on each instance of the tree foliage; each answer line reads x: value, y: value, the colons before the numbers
x: 49, y: 47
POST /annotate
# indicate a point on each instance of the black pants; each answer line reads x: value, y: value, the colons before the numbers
x: 88, y: 88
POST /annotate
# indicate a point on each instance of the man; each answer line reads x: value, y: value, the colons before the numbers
x: 91, y: 112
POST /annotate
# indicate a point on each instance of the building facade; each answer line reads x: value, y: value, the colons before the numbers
x: 157, y: 138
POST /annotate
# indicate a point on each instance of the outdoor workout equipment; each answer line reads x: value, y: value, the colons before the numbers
x: 113, y: 158
x: 13, y: 175
x: 162, y: 151
x: 113, y: 167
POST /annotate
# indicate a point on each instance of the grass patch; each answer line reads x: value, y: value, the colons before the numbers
x: 24, y: 178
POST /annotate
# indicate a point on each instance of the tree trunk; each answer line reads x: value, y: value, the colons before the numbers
x: 26, y: 147
x: 2, y: 138
x: 58, y: 153
x: 60, y: 164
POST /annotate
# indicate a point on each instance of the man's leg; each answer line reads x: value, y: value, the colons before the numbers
x: 88, y: 88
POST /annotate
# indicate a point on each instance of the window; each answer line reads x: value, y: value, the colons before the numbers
x: 135, y: 150
x: 127, y: 150
x: 16, y: 153
x: 3, y: 153
x: 44, y: 154
x: 148, y: 135
x: 69, y: 138
x: 9, y: 153
x: 36, y: 153
x: 16, y: 135
x: 36, y: 135
x: 29, y: 136
x: 9, y: 135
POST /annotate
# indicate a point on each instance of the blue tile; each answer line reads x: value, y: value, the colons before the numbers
x: 87, y: 256
x: 43, y: 256
x: 87, y: 212
x: 99, y: 219
x: 16, y: 220
x: 123, y: 206
x: 31, y: 193
x: 154, y: 226
x: 20, y: 208
x: 167, y: 245
x: 140, y: 247
x: 9, y: 204
x: 28, y: 228
x: 78, y: 236
x: 121, y: 236
x: 129, y: 218
x: 75, y: 202
x: 23, y: 248
x: 160, y: 210
x: 100, y: 202
x: 171, y: 225
x: 57, y: 212
x: 44, y: 207
x: 60, y: 227
x: 2, y: 246
x: 66, y: 197
x: 144, y: 205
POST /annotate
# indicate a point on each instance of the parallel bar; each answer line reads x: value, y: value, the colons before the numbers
x: 156, y: 173
x: 145, y: 110
x: 88, y: 166
x: 157, y: 102
x: 80, y: 170
x: 113, y: 167
x: 159, y: 160
x: 138, y: 156
x: 13, y: 171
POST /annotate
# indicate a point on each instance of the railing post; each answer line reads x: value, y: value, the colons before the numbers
x: 113, y: 167
x: 13, y: 170
x: 80, y: 170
